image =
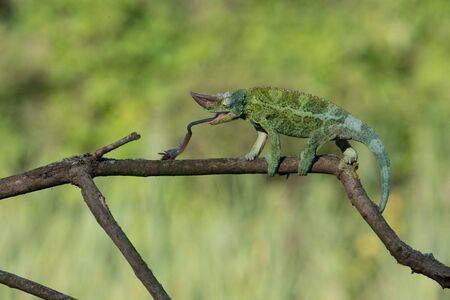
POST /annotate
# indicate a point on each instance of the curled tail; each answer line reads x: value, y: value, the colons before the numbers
x: 368, y: 137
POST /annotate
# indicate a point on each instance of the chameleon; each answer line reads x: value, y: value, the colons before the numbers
x: 274, y: 111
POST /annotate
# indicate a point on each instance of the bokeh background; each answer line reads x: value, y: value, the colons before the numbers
x: 76, y: 75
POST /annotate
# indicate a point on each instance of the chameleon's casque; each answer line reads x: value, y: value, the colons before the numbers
x: 275, y: 111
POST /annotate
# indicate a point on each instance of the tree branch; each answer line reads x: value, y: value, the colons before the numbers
x: 421, y: 263
x: 58, y: 173
x: 31, y: 287
x: 96, y: 203
x: 67, y: 171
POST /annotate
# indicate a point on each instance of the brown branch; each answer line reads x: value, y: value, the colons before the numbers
x: 77, y: 170
x: 58, y: 173
x: 62, y: 172
x: 96, y: 203
x: 129, y: 138
x: 421, y: 263
x: 31, y: 287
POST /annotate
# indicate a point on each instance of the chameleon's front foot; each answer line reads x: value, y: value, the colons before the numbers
x: 273, y: 164
x: 251, y: 155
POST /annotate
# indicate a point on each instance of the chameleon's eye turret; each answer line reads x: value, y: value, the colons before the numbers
x: 238, y: 101
x: 227, y: 102
x: 239, y: 96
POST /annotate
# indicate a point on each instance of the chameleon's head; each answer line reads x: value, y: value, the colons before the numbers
x: 227, y: 106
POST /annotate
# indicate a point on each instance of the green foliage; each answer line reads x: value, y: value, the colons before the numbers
x: 75, y: 75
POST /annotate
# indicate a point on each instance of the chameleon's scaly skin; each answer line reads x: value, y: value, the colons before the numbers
x: 275, y: 111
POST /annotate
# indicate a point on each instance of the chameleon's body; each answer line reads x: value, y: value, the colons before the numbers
x: 275, y: 111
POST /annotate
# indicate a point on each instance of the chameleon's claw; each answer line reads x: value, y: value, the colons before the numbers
x: 350, y: 156
x: 303, y: 170
x: 170, y: 154
x: 272, y: 165
x: 250, y: 156
x: 306, y: 161
x: 271, y: 172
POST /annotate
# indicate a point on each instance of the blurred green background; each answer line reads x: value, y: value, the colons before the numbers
x: 76, y: 75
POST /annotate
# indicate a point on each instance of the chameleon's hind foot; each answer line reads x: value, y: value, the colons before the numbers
x: 272, y: 165
x: 306, y: 161
x: 350, y: 158
x: 304, y: 167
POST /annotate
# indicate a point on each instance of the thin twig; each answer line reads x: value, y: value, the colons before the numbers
x: 96, y: 203
x: 31, y: 287
x: 129, y: 138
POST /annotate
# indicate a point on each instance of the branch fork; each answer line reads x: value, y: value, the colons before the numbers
x: 80, y: 171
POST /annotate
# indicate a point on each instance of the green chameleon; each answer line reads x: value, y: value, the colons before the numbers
x: 274, y: 111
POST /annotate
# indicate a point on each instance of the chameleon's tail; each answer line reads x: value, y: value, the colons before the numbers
x: 367, y: 136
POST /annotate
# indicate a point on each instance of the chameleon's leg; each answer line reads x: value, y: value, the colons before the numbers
x: 316, y: 140
x: 257, y: 146
x: 307, y: 156
x: 350, y: 155
x: 273, y: 159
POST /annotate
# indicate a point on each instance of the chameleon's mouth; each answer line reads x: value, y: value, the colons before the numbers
x: 212, y: 103
x: 220, y: 116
